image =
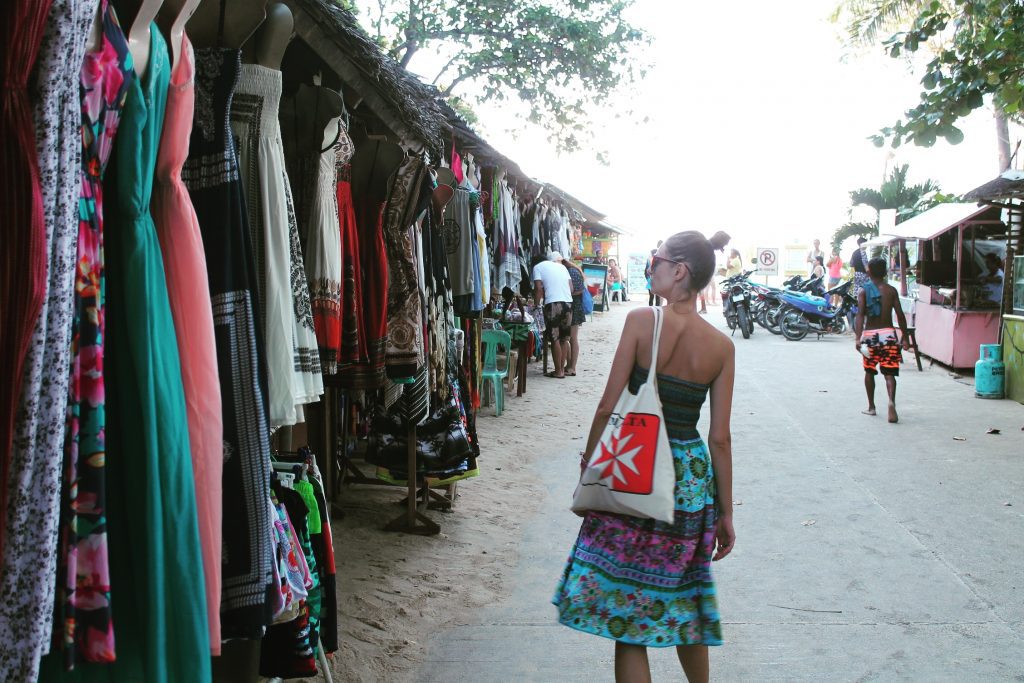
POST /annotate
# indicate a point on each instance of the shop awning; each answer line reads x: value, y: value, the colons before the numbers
x: 932, y: 223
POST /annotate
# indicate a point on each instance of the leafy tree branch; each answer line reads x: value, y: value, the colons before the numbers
x: 559, y: 57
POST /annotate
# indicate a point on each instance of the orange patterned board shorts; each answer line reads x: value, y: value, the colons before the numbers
x: 884, y: 351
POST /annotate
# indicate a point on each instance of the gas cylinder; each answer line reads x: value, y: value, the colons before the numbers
x: 988, y: 372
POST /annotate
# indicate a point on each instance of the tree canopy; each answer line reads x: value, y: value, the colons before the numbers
x: 977, y: 50
x: 894, y: 193
x: 560, y: 57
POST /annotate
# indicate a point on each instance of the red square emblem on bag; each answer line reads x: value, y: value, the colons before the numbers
x: 627, y: 462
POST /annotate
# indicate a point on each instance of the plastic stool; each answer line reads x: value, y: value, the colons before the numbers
x: 492, y: 340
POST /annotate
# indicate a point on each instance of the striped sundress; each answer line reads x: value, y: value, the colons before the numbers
x: 643, y: 582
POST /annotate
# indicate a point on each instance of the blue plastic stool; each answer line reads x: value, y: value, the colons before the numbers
x: 492, y: 339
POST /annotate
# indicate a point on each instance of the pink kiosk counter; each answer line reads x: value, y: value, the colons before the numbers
x: 957, y: 304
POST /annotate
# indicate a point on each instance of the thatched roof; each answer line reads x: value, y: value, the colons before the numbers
x: 1009, y: 185
x: 412, y: 109
x: 405, y: 104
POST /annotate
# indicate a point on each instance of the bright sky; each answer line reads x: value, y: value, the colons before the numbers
x: 756, y: 125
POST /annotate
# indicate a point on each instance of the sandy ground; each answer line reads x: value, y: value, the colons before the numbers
x: 397, y: 590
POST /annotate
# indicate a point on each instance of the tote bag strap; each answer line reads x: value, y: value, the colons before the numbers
x: 652, y: 374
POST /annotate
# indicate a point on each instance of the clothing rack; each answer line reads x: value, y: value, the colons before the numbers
x: 413, y: 521
x: 419, y: 497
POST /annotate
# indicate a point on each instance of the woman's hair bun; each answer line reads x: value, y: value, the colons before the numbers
x: 719, y: 240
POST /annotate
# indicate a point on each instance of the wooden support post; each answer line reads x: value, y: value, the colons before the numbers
x: 413, y: 521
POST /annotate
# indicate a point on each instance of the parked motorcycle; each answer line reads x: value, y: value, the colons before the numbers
x: 804, y: 313
x: 737, y: 306
x: 768, y: 302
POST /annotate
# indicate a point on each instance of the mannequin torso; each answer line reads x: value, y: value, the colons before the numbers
x: 228, y: 23
x: 268, y: 45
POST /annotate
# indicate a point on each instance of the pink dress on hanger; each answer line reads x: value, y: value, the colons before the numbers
x: 189, y: 290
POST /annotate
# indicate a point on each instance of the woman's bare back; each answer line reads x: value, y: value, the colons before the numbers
x: 691, y: 349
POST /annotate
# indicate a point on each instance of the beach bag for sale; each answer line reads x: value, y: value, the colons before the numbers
x: 631, y: 472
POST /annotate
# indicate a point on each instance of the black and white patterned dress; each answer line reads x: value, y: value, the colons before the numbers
x: 28, y: 573
x: 211, y: 174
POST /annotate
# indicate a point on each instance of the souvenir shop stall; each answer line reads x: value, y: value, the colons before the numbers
x: 1007, y: 193
x: 944, y: 256
x: 241, y: 245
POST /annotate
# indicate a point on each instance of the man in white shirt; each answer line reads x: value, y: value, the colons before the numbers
x: 553, y: 285
x: 813, y: 254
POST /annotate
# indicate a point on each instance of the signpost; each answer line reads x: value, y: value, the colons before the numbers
x: 767, y: 261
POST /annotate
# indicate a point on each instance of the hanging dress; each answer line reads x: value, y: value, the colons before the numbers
x: 405, y: 314
x: 314, y: 179
x: 23, y: 265
x: 211, y: 175
x: 293, y: 361
x: 160, y: 623
x: 84, y: 581
x: 188, y: 288
x: 353, y: 336
x: 28, y: 563
x: 644, y: 582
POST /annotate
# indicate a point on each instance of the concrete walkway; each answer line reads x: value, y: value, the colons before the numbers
x: 866, y: 551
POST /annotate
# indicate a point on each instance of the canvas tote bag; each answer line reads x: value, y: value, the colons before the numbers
x: 631, y: 472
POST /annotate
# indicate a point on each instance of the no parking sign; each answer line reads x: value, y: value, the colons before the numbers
x: 767, y: 261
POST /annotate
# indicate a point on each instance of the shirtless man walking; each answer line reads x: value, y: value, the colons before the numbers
x: 876, y: 339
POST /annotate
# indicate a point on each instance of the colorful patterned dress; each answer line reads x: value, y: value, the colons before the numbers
x: 643, y: 582
x: 88, y: 632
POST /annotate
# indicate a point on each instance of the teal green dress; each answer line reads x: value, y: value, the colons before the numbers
x: 156, y: 571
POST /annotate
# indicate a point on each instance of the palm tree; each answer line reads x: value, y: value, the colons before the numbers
x: 867, y: 21
x: 895, y: 193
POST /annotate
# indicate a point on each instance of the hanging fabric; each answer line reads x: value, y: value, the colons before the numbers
x: 88, y: 633
x: 188, y: 287
x: 211, y: 175
x: 293, y: 360
x: 28, y: 561
x: 23, y: 271
x: 160, y: 621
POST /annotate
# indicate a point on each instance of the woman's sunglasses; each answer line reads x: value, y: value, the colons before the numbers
x: 655, y: 260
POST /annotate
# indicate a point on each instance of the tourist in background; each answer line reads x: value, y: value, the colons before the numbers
x: 819, y: 268
x: 814, y: 253
x: 835, y: 273
x: 579, y: 283
x: 553, y: 285
x: 615, y: 281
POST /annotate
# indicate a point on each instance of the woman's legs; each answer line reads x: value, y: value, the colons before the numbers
x: 651, y: 299
x: 574, y: 350
x: 631, y: 665
x: 694, y: 659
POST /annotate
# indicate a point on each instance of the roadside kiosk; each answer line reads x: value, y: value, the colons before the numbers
x: 939, y: 262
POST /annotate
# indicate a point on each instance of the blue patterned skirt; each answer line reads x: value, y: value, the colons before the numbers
x: 643, y: 582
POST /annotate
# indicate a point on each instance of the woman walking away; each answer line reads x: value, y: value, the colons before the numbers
x: 578, y: 285
x: 640, y: 582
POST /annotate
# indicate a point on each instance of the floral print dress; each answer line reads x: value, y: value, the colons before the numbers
x: 84, y: 580
x: 644, y: 582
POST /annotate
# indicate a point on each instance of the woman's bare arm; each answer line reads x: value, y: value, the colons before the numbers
x: 720, y: 445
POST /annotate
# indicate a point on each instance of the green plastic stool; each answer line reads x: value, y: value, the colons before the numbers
x: 492, y: 339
